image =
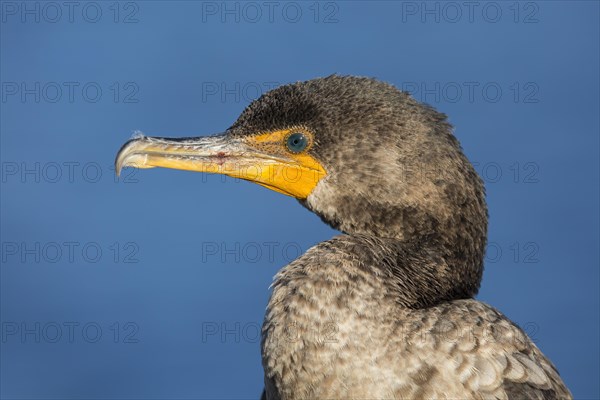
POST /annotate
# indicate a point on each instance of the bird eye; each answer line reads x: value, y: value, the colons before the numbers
x: 297, y: 142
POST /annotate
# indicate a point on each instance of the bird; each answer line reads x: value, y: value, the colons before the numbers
x: 387, y: 308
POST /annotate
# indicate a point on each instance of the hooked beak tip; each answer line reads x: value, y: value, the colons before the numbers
x: 127, y: 154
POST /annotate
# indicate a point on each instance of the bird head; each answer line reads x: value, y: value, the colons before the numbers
x: 363, y: 155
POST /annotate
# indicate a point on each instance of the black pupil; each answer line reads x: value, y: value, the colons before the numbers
x: 297, y: 142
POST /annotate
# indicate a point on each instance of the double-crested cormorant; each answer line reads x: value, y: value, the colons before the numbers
x: 384, y: 310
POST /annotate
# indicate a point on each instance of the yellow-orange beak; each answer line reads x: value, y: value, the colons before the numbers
x: 244, y: 158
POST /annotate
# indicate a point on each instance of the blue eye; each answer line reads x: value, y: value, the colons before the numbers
x: 297, y: 142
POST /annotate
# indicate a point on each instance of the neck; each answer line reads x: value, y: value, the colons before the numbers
x: 418, y: 272
x: 424, y: 259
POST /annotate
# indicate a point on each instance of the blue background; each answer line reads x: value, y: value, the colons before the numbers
x: 188, y: 286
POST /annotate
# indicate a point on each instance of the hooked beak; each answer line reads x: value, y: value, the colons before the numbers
x: 223, y: 154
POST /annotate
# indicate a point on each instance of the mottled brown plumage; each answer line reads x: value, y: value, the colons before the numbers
x: 385, y: 310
